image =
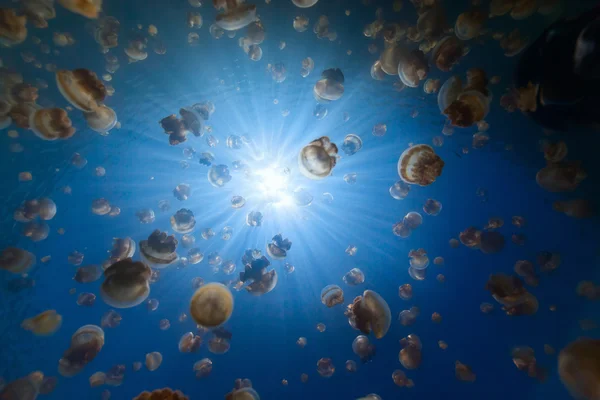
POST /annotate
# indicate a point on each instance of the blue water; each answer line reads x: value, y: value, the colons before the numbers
x: 142, y: 169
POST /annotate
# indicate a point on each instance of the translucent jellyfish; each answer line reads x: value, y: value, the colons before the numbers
x: 214, y: 259
x: 405, y: 291
x: 195, y: 256
x: 354, y: 277
x: 413, y: 68
x: 577, y: 208
x: 301, y: 342
x: 469, y: 24
x: 320, y: 111
x: 51, y: 124
x: 362, y: 347
x: 36, y: 231
x: 86, y: 343
x: 152, y: 305
x: 13, y: 29
x: 145, y: 216
x: 420, y: 165
x: 110, y: 319
x: 211, y: 305
x: 183, y: 221
x: 491, y: 242
x: 418, y: 259
x: 578, y: 368
x: 391, y: 57
x: 318, y: 158
x: 555, y: 152
x: 289, y: 268
x: 377, y: 72
x: 263, y: 281
x: 509, y: 291
x: 471, y: 237
x: 153, y: 360
x: 89, y: 9
x: 102, y: 119
x: 436, y: 318
x: 399, y: 190
x: 561, y: 177
x: 308, y: 65
x: 81, y: 88
x: 486, y: 308
x: 448, y: 52
x: 304, y: 3
x: 278, y: 72
x: 228, y: 267
x: 194, y: 20
x: 189, y: 343
x: 410, y: 356
x: 463, y: 372
x: 254, y: 218
x: 417, y: 274
x: 350, y: 178
x: 514, y: 43
x: 16, y: 261
x: 236, y: 14
x: 159, y: 250
x: 165, y: 393
x: 370, y: 313
x: 203, y: 368
x: 182, y: 192
x: 126, y: 284
x: 352, y: 144
x: 332, y: 295
x: 408, y: 317
x: 278, y: 247
x: 432, y: 86
x: 399, y: 378
x: 43, y: 324
x: 88, y: 274
x: 136, y: 50
x: 351, y: 366
x: 122, y: 249
x: 26, y: 388
x: 548, y: 261
x: 218, y: 175
x: 325, y: 367
x: 330, y: 87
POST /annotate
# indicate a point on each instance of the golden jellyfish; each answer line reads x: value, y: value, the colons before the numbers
x: 102, y: 119
x: 432, y: 24
x: 262, y: 281
x: 332, y: 295
x: 578, y: 208
x: 514, y: 43
x: 203, y: 368
x: 81, y: 88
x: 304, y: 3
x: 122, y: 249
x: 300, y: 23
x: 408, y: 317
x: 377, y: 72
x: 278, y: 247
x: 354, y: 277
x: 399, y: 378
x: 161, y: 394
x: 25, y: 176
x: 21, y: 115
x: 16, y: 261
x: 402, y: 230
x: 26, y: 388
x: 362, y: 347
x: 325, y: 367
x: 317, y: 159
x: 211, y: 305
x: 420, y: 165
x: 405, y: 291
x: 555, y: 152
x: 126, y: 284
x: 351, y: 366
x: 330, y: 87
x: 36, y: 231
x: 413, y: 68
x: 448, y: 53
x: 442, y: 345
x: 13, y: 29
x: 486, y: 308
x: 44, y: 324
x: 86, y: 343
x: 88, y: 274
x: 469, y: 24
x: 236, y: 14
x: 470, y: 237
x: 194, y: 20
x: 391, y: 57
x: 579, y: 369
x: 153, y: 360
x: 436, y: 318
x: 183, y: 221
x: 159, y: 250
x: 308, y: 65
x: 111, y: 319
x: 87, y: 8
x: 431, y: 86
x: 97, y: 379
x: 564, y: 176
x: 51, y: 124
x: 491, y: 242
x: 370, y: 313
x: 463, y: 372
x: 23, y: 93
x: 242, y: 390
x: 526, y: 270
x: 189, y: 343
x: 418, y: 259
x: 62, y: 39
x: 410, y: 356
x: 301, y: 342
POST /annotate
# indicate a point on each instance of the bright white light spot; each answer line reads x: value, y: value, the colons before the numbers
x: 271, y: 182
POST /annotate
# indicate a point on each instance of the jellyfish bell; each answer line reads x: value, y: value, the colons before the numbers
x: 578, y: 368
x: 89, y: 8
x: 413, y: 68
x: 126, y: 284
x: 418, y: 259
x: 86, y: 343
x: 81, y: 88
x: 410, y: 355
x: 352, y: 144
x: 577, y: 208
x: 102, y: 119
x: 218, y: 175
x: 183, y: 221
x: 332, y: 295
x: 236, y: 15
x: 16, y: 261
x: 447, y: 53
x: 470, y: 107
x: 370, y: 313
x: 420, y: 165
x: 391, y: 57
x: 491, y: 242
x: 317, y: 159
x: 354, y: 277
x: 469, y: 24
x: 278, y: 247
x: 189, y: 343
x: 330, y: 87
x: 159, y: 250
x: 304, y: 3
x: 211, y: 305
x: 561, y: 177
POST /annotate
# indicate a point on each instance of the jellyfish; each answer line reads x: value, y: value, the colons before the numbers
x: 13, y: 29
x: 301, y: 342
x: 136, y: 50
x: 122, y: 249
x: 332, y: 295
x: 325, y: 367
x: 405, y: 291
x: 218, y: 175
x: 202, y: 368
x: 471, y: 237
x: 43, y: 324
x: 236, y: 14
x: 88, y: 274
x: 370, y: 313
x: 81, y: 88
x: 254, y: 218
x: 362, y: 347
x: 159, y: 250
x: 126, y: 284
x: 304, y: 3
x: 420, y: 165
x: 418, y: 259
x: 228, y: 267
x: 189, y: 343
x: 211, y: 305
x: 22, y: 93
x: 330, y: 87
x: 263, y: 281
x: 86, y: 343
x: 194, y: 20
x: 399, y: 190
x: 318, y: 158
x: 26, y: 388
x: 448, y: 53
x: 491, y: 242
x: 51, y: 124
x: 408, y: 317
x: 110, y: 319
x: 555, y: 152
x: 153, y: 360
x: 578, y: 208
x: 36, y: 231
x: 308, y: 65
x: 514, y: 43
x: 486, y: 308
x: 377, y: 72
x: 469, y: 24
x: 145, y: 216
x: 89, y: 9
x: 175, y: 128
x: 413, y: 68
x: 183, y: 221
x: 354, y: 277
x: 463, y: 372
x: 102, y: 119
x: 410, y: 356
x: 548, y: 261
x: 278, y: 247
x: 564, y: 176
x: 391, y: 57
x: 16, y: 261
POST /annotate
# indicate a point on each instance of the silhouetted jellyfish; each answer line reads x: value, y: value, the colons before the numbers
x: 418, y: 259
x: 410, y: 356
x: 330, y: 87
x: 88, y: 274
x: 408, y: 317
x: 16, y: 261
x: 304, y: 3
x: 153, y: 360
x: 110, y: 319
x: 578, y: 368
x: 278, y: 247
x: 254, y: 218
x: 203, y: 368
x: 405, y: 291
x: 369, y: 313
x: 218, y: 175
x: 318, y: 158
x: 26, y: 388
x: 436, y: 318
x: 263, y: 281
x: 43, y: 324
x: 165, y: 393
x: 351, y: 366
x: 189, y: 343
x: 514, y: 43
x: 352, y: 144
x: 81, y: 88
x: 332, y: 295
x: 354, y: 277
x: 469, y: 24
x: 561, y: 177
x: 555, y: 152
x: 463, y: 372
x: 413, y: 68
x: 325, y: 367
x: 491, y: 242
x: 578, y: 208
x: 126, y: 284
x: 548, y: 261
x: 182, y: 191
x: 211, y: 305
x: 86, y: 343
x: 159, y: 250
x: 420, y: 165
x: 183, y: 221
x: 36, y: 231
x: 448, y: 53
x: 51, y: 124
